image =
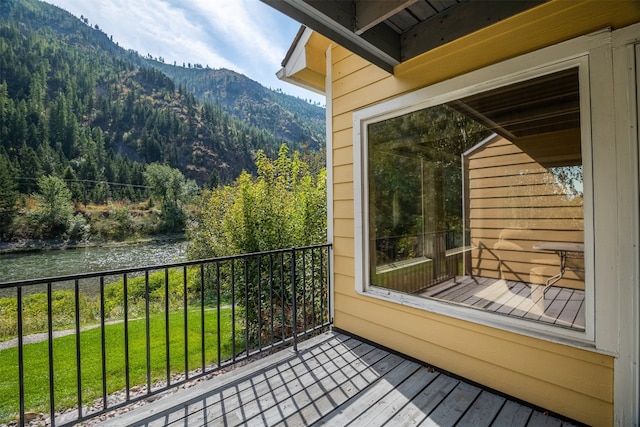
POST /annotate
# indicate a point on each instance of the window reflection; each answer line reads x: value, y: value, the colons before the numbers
x: 462, y: 195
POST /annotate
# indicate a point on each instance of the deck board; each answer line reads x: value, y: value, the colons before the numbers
x: 347, y: 412
x: 397, y: 398
x: 512, y: 414
x: 560, y: 306
x: 334, y: 379
x: 416, y: 411
x: 243, y: 395
x: 451, y: 409
x: 483, y: 410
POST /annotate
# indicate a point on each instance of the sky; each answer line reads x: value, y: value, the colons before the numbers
x: 245, y: 36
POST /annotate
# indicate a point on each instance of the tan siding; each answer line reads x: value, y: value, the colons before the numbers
x: 359, y: 98
x: 343, y: 138
x: 343, y: 155
x: 343, y: 191
x: 350, y: 82
x: 343, y: 286
x: 343, y: 228
x: 343, y: 246
x: 529, y: 212
x: 570, y: 381
x: 544, y: 235
x: 343, y: 173
x: 500, y: 202
x: 343, y: 209
x: 496, y: 161
x: 516, y: 179
x: 344, y: 266
x: 498, y: 150
x: 344, y: 123
x: 539, y: 224
x: 534, y: 189
x: 507, y: 241
x: 338, y: 53
x: 348, y: 65
x: 506, y: 170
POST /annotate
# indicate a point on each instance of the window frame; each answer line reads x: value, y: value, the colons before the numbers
x: 582, y: 52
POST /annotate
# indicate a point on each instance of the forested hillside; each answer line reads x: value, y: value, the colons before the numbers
x: 73, y: 103
x: 283, y: 115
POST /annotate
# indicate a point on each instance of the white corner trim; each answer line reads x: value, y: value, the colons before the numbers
x: 329, y: 168
x: 626, y: 78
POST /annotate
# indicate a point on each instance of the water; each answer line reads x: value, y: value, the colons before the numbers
x: 32, y: 265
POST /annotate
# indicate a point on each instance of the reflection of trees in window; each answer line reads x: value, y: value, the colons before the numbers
x: 569, y: 179
x: 415, y: 177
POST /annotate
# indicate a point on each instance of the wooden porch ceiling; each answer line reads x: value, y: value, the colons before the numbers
x: 388, y: 32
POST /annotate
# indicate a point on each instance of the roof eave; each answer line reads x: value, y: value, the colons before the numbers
x: 305, y: 62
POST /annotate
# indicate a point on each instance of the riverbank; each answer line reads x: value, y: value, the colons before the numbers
x: 52, y: 260
x: 38, y: 245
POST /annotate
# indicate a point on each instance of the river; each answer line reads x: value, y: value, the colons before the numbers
x: 31, y: 265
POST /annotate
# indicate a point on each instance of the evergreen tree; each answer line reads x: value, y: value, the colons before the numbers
x: 8, y: 193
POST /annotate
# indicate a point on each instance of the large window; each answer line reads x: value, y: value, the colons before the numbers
x: 478, y: 201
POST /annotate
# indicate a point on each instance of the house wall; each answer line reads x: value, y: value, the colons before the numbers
x: 568, y: 380
x: 514, y: 204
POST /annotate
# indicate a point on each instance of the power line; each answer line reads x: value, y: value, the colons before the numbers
x: 91, y: 181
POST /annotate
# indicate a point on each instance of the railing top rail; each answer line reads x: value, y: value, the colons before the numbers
x: 55, y: 279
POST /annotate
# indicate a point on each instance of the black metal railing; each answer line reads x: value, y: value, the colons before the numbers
x: 82, y: 345
x: 412, y: 263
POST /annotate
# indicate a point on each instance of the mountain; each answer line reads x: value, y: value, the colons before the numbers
x: 73, y: 103
x: 287, y: 117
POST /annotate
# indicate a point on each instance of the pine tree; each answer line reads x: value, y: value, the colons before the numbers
x: 8, y: 193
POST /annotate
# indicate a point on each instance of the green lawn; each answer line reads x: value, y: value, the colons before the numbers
x: 65, y: 368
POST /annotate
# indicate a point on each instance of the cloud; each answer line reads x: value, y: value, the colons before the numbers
x: 246, y: 25
x: 246, y: 36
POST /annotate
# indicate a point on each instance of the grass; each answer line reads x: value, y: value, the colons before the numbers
x: 36, y: 360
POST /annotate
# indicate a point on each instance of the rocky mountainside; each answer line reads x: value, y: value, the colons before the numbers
x: 73, y: 103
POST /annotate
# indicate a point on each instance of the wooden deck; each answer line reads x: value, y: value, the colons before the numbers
x: 559, y: 306
x: 335, y: 380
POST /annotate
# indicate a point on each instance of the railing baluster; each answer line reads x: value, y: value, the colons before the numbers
x: 20, y: 354
x: 219, y: 332
x: 233, y: 311
x: 323, y: 313
x: 202, y: 343
x: 186, y: 323
x: 282, y: 297
x: 167, y: 338
x: 304, y: 291
x: 325, y: 287
x: 259, y: 304
x: 313, y: 289
x: 78, y: 351
x: 103, y: 345
x: 271, y: 310
x: 294, y: 309
x: 147, y: 328
x: 246, y: 307
x: 52, y: 405
x: 328, y: 285
x: 126, y: 337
